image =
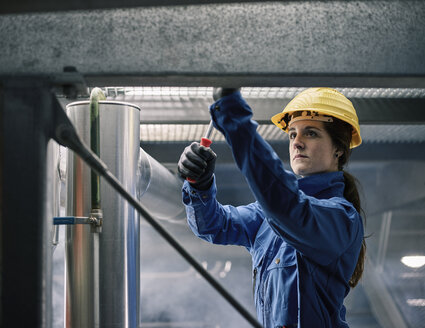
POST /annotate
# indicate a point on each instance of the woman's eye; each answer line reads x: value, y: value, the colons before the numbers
x: 311, y: 133
x: 292, y: 135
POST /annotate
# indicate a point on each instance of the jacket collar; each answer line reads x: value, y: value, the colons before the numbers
x: 324, y: 185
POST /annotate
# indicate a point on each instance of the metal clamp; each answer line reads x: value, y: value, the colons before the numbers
x: 96, y: 220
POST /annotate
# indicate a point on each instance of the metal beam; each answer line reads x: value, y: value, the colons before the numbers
x: 390, y: 110
x: 187, y: 110
x: 303, y: 43
x: 170, y: 152
x: 188, y: 79
x: 26, y: 6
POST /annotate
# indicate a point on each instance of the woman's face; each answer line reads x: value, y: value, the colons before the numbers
x: 311, y: 149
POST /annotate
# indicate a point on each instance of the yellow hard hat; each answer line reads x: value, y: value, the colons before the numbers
x: 319, y: 104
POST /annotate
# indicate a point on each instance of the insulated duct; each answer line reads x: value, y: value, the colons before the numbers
x: 159, y: 190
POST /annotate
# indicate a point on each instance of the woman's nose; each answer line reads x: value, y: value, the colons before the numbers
x: 298, y: 143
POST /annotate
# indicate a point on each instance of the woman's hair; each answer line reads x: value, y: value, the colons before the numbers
x: 340, y: 133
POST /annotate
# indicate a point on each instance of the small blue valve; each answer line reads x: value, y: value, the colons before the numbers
x: 71, y: 220
x: 64, y: 220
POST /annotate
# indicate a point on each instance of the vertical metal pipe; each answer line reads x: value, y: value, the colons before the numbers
x: 103, y: 288
x: 384, y: 236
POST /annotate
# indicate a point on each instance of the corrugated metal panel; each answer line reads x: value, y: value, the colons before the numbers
x: 173, y: 114
x: 163, y: 93
x: 393, y: 133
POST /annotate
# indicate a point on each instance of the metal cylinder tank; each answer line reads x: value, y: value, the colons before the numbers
x: 102, y: 284
x: 102, y: 269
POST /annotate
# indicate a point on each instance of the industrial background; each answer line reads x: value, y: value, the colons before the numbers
x: 165, y: 57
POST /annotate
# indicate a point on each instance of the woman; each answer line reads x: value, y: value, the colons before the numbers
x: 305, y: 233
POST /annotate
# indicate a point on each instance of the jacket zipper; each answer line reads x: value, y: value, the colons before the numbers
x: 254, y: 276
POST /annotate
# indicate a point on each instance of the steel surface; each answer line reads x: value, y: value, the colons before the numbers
x: 103, y: 269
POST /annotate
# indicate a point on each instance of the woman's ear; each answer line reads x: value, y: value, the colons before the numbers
x: 339, y: 153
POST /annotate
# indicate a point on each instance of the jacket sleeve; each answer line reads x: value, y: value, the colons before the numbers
x: 321, y: 229
x: 220, y: 224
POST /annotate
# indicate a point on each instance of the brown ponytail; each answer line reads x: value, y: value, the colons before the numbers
x: 340, y: 133
x: 352, y: 195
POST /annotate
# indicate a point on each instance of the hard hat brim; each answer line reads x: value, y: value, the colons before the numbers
x: 356, y: 140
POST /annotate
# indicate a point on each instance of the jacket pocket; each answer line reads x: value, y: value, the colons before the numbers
x: 280, y: 289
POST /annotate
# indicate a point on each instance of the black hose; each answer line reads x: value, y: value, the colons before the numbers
x: 66, y: 135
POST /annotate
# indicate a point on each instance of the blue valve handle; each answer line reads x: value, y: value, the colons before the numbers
x: 64, y: 220
x: 70, y: 220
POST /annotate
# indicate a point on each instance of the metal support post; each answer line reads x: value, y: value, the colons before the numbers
x: 25, y: 227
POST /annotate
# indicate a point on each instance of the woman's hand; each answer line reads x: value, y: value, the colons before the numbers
x: 197, y: 163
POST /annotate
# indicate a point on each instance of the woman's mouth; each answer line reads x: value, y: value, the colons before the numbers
x: 299, y: 156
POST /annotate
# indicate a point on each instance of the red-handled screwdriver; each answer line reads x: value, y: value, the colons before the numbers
x: 206, y: 142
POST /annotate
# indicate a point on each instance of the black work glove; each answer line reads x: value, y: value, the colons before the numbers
x: 222, y: 92
x: 197, y: 162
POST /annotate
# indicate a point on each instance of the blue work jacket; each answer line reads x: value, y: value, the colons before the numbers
x: 303, y: 235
